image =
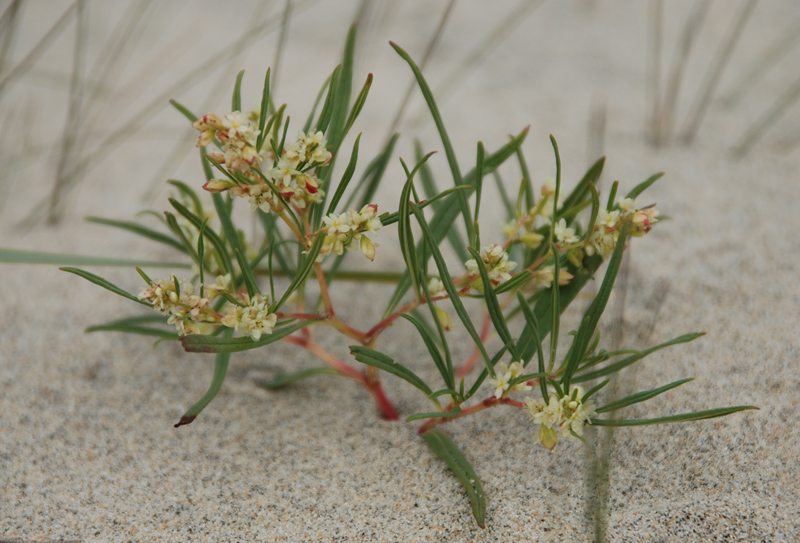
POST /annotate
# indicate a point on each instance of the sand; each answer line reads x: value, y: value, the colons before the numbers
x: 87, y: 448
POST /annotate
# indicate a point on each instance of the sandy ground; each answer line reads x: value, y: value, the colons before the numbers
x: 87, y: 448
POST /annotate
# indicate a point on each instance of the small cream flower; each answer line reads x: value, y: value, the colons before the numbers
x: 500, y: 382
x: 563, y: 234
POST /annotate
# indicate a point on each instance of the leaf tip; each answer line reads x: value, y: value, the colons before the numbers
x: 186, y: 419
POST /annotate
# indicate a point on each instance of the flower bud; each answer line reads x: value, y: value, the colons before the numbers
x: 531, y: 240
x: 218, y: 185
x: 444, y: 318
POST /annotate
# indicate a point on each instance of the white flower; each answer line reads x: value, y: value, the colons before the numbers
x: 564, y: 234
x: 543, y: 277
x: 435, y: 287
x: 337, y: 224
x: 500, y: 382
x: 497, y: 264
x: 609, y: 219
x: 254, y: 320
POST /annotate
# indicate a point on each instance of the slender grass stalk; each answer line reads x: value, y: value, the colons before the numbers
x: 653, y: 97
x: 709, y: 86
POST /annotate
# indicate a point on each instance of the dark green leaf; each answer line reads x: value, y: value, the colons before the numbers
x: 210, y: 344
x: 220, y: 370
x: 460, y: 466
x: 348, y: 175
x: 433, y: 349
x: 639, y: 397
x: 379, y: 360
x: 236, y: 99
x: 264, y: 113
x: 641, y: 187
x: 685, y: 417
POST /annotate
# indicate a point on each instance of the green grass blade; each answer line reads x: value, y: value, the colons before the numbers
x: 17, y: 256
x: 141, y: 231
x: 627, y: 361
x: 285, y: 379
x: 448, y: 451
x: 344, y: 88
x: 478, y: 185
x: 639, y: 397
x: 211, y: 344
x: 172, y: 224
x: 220, y: 370
x: 448, y: 147
x: 685, y: 417
x: 379, y: 360
x: 99, y: 281
x: 236, y: 99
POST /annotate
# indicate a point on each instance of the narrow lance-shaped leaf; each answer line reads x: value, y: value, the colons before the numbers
x: 430, y: 343
x: 303, y: 269
x: 627, y: 361
x: 379, y: 360
x: 478, y: 189
x: 212, y: 236
x: 455, y: 299
x: 639, y: 397
x: 97, y: 280
x: 233, y: 241
x: 210, y: 344
x: 493, y: 306
x: 407, y: 246
x: 685, y: 417
x: 448, y: 147
x: 236, y: 99
x: 220, y: 370
x: 187, y: 191
x: 263, y: 113
x: 595, y: 311
x: 460, y: 466
x: 641, y: 187
x: 533, y: 325
x: 348, y: 175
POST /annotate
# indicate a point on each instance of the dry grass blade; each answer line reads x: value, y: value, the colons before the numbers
x: 282, y: 37
x: 706, y: 93
x: 596, y: 141
x: 499, y: 33
x: 8, y: 29
x: 761, y: 65
x: 691, y: 28
x: 772, y: 115
x: 655, y: 20
x: 47, y: 40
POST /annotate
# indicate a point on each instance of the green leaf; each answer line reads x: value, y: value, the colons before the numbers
x: 379, y: 360
x: 307, y: 126
x: 211, y: 344
x: 285, y: 379
x: 685, y: 417
x: 408, y: 247
x: 639, y: 397
x: 437, y: 414
x: 140, y: 230
x: 236, y: 99
x: 97, y: 280
x: 455, y: 299
x: 627, y: 361
x: 493, y: 306
x: 643, y: 186
x: 264, y: 113
x: 533, y: 325
x: 392, y: 218
x: 327, y: 107
x: 592, y: 316
x: 187, y: 191
x: 582, y: 188
x: 173, y: 225
x: 344, y: 87
x: 184, y: 110
x: 448, y: 147
x: 433, y: 349
x: 220, y: 370
x: 348, y: 175
x: 358, y: 105
x: 478, y: 186
x: 303, y: 269
x: 213, y: 237
x: 232, y: 236
x: 460, y: 466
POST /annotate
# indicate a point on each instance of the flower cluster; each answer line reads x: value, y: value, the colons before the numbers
x: 253, y: 319
x: 348, y: 231
x: 543, y: 277
x: 291, y: 174
x: 606, y: 229
x: 566, y: 415
x: 180, y: 302
x: 503, y: 377
x: 495, y: 258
